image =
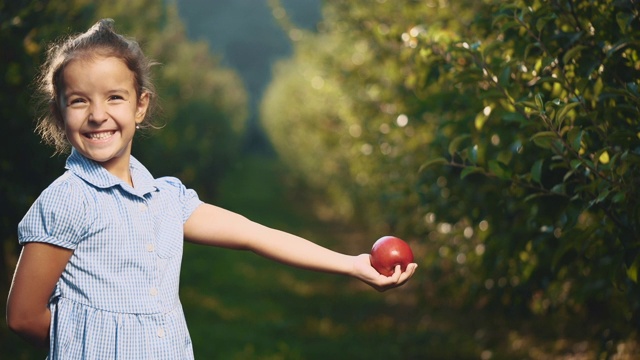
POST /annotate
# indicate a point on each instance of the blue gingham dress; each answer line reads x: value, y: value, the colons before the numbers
x: 118, y: 295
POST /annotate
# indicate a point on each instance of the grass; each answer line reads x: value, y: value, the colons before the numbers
x: 241, y: 306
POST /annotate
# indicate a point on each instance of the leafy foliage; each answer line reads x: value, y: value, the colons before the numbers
x: 204, y: 104
x: 559, y: 124
x: 502, y: 138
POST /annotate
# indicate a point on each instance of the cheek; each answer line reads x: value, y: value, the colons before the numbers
x: 124, y: 114
x: 71, y: 120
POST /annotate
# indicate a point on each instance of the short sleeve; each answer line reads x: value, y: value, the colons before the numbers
x: 57, y: 217
x: 188, y: 199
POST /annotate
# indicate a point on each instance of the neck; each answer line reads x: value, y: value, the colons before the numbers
x: 120, y: 169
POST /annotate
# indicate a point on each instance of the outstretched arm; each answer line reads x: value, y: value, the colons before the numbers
x: 39, y: 268
x: 211, y: 225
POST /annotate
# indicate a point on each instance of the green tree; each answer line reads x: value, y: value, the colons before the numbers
x: 557, y: 124
x: 501, y: 138
x: 27, y: 165
x: 204, y: 105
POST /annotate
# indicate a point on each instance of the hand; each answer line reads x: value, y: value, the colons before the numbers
x: 365, y: 272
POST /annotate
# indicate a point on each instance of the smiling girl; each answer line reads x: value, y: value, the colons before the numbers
x: 102, y: 245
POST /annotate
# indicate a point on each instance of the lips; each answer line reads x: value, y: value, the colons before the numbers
x: 100, y: 135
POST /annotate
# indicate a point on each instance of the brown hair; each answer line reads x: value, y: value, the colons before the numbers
x: 100, y: 40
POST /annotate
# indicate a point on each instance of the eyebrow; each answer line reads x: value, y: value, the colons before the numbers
x: 121, y: 91
x: 80, y: 93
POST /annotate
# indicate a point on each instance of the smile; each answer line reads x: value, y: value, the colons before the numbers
x: 100, y: 135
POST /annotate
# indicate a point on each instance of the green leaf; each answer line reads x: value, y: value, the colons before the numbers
x: 536, y: 170
x: 492, y: 93
x: 574, y: 137
x: 473, y: 154
x: 544, y: 134
x: 572, y: 53
x: 632, y: 271
x: 542, y: 22
x: 562, y: 111
x: 514, y: 117
x: 567, y: 175
x: 624, y: 20
x: 544, y: 139
x: 479, y: 121
x: 529, y: 47
x: 499, y: 17
x: 470, y: 170
x: 505, y: 75
x: 548, y: 79
x: 533, y: 196
x: 575, y: 163
x: 527, y: 104
x: 618, y: 46
x: 499, y: 169
x: 558, y: 189
x: 539, y: 102
x: 488, y: 48
x: 455, y: 143
x: 618, y: 197
x: 433, y: 162
x: 622, y: 168
x: 508, y: 25
x: 603, y: 195
x: 509, y: 6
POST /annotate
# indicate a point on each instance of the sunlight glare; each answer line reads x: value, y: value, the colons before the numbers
x: 402, y: 120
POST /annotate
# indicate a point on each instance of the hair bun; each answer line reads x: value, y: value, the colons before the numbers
x: 107, y: 24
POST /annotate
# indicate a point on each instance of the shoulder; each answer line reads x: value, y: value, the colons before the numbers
x: 58, y: 214
x: 173, y: 185
x: 185, y: 198
x: 66, y: 189
x: 168, y: 182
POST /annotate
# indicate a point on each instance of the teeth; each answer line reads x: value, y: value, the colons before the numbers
x: 100, y: 135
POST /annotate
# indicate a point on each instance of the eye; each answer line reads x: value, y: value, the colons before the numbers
x: 77, y: 101
x: 116, y: 97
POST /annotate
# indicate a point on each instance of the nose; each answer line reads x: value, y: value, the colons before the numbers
x: 97, y: 113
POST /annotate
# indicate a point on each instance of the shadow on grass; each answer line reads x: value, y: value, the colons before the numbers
x: 241, y: 306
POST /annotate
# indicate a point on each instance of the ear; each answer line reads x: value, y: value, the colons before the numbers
x: 142, y: 106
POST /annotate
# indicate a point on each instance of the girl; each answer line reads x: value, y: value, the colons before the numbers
x: 102, y: 245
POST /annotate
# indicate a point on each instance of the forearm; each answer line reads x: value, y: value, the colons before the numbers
x: 34, y: 328
x: 295, y: 251
x: 214, y: 226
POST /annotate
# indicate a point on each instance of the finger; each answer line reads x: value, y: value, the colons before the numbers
x: 397, y: 273
x: 412, y: 268
x: 408, y: 273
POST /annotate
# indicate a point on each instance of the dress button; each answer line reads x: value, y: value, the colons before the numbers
x: 153, y: 291
x: 142, y: 207
x: 160, y: 332
x: 150, y: 247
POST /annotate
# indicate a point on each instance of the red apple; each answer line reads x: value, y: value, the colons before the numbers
x: 389, y: 251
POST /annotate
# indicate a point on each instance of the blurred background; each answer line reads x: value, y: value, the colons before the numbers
x: 501, y: 139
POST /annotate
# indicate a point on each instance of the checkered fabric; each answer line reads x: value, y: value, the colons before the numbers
x: 118, y: 295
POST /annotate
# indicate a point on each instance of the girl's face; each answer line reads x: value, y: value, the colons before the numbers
x: 100, y: 110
